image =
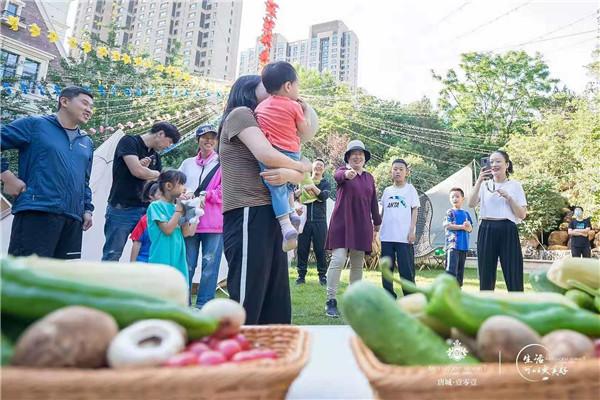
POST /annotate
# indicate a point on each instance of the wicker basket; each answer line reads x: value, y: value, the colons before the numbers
x: 484, y: 381
x: 262, y: 379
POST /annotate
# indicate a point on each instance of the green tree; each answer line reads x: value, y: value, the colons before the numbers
x: 563, y: 147
x: 545, y: 205
x: 423, y: 175
x: 493, y: 96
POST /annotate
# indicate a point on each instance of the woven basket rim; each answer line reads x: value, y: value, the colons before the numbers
x: 376, y: 370
x: 292, y: 362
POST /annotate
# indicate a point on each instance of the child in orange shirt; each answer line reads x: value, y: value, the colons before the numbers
x: 281, y: 118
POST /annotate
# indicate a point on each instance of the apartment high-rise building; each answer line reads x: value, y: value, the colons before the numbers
x: 330, y: 47
x: 249, y: 63
x: 206, y: 32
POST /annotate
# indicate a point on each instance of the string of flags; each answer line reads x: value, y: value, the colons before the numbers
x: 142, y: 122
x: 113, y: 90
x: 104, y: 52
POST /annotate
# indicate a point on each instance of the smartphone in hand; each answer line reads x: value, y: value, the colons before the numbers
x: 484, y: 163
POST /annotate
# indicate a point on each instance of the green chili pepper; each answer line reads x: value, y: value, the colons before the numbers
x: 595, y: 293
x: 467, y: 312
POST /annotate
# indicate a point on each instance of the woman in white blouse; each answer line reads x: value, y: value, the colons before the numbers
x: 502, y: 206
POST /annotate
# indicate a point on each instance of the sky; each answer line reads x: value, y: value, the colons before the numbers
x: 401, y: 41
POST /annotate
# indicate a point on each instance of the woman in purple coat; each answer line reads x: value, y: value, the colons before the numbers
x: 353, y: 222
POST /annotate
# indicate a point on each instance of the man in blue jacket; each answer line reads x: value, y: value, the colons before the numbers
x: 53, y: 199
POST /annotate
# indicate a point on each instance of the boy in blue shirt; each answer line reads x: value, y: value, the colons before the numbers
x: 458, y: 225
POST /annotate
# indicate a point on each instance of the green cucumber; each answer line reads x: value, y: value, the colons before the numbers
x: 391, y: 333
x: 540, y: 283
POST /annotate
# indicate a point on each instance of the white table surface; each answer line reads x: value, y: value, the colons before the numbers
x: 332, y: 371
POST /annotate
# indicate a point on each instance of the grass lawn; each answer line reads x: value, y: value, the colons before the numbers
x: 308, y: 300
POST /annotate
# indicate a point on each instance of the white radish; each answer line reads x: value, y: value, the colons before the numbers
x: 230, y: 314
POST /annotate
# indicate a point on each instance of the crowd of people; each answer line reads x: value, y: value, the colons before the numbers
x: 252, y: 185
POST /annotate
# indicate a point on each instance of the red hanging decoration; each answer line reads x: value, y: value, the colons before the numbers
x: 266, y: 38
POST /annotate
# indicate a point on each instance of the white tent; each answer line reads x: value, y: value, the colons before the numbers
x: 100, y: 183
x: 439, y: 200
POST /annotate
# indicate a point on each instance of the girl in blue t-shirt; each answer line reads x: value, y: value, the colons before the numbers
x: 166, y: 235
x: 140, y: 250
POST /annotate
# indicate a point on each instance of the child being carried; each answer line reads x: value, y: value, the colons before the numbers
x: 281, y: 118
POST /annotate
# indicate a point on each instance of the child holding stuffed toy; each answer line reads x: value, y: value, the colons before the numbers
x: 281, y: 118
x: 166, y: 235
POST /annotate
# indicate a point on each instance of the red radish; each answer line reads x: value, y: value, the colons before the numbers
x: 182, y: 359
x: 229, y: 347
x: 597, y: 348
x: 198, y: 348
x: 243, y: 341
x: 230, y: 314
x: 213, y: 343
x: 211, y: 358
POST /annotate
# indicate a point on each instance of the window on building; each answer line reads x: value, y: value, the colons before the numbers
x: 30, y: 72
x: 12, y: 10
x: 189, y: 34
x: 160, y: 32
x: 193, y: 6
x: 8, y: 64
x: 197, y: 61
x: 137, y: 42
x: 157, y: 50
x: 89, y: 9
x: 191, y: 15
x: 186, y: 52
x: 148, y: 31
x: 162, y: 14
x: 190, y: 24
x: 161, y: 23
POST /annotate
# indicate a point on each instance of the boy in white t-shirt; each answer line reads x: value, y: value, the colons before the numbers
x: 400, y: 206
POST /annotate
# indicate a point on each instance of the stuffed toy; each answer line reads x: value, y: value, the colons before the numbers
x: 191, y: 211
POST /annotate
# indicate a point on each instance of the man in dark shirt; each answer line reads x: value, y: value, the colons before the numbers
x: 135, y: 162
x: 315, y: 228
x: 579, y: 229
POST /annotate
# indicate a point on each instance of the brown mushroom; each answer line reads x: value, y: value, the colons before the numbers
x: 69, y: 337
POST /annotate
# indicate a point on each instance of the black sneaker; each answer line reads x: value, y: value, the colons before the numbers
x: 323, y: 281
x: 300, y: 281
x: 331, y: 308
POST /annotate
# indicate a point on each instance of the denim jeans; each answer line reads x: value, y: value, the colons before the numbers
x: 280, y: 195
x: 212, y: 249
x: 117, y: 228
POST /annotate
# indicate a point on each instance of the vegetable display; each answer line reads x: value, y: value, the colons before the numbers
x: 31, y: 295
x: 488, y: 326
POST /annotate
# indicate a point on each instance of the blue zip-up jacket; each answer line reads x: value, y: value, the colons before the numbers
x: 55, y: 170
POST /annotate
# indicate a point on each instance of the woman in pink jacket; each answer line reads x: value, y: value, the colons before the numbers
x: 203, y: 173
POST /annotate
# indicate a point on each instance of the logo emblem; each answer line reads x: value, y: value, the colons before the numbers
x: 457, y: 352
